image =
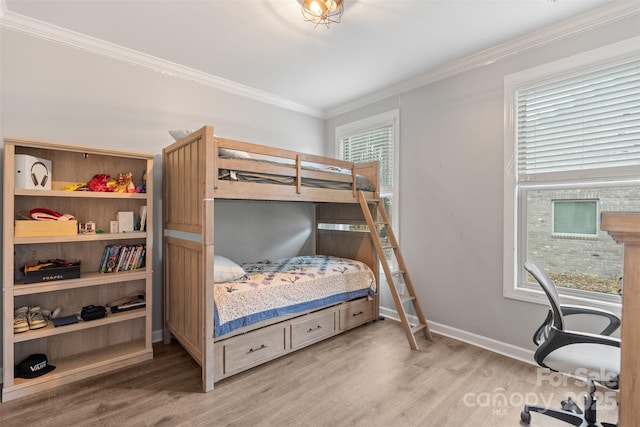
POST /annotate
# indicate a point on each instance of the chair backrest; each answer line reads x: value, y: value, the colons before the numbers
x: 550, y: 289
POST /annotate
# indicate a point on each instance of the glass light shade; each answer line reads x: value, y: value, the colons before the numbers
x: 324, y: 12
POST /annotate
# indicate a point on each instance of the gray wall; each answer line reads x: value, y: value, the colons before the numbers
x: 451, y: 189
x: 253, y: 231
x: 55, y: 92
x: 451, y: 158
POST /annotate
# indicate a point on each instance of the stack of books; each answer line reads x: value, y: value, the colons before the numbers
x: 122, y: 258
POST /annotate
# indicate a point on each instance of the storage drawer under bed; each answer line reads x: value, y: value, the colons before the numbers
x: 245, y: 351
x: 252, y: 348
x: 312, y: 328
x: 356, y: 313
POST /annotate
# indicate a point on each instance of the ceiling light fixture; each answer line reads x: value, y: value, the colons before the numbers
x: 325, y: 12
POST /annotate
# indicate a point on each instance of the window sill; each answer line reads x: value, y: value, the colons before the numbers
x: 538, y: 297
x: 594, y: 237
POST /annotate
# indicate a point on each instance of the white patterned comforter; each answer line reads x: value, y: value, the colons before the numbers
x: 275, y: 288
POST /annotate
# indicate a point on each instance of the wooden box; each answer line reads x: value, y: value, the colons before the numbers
x: 33, y: 228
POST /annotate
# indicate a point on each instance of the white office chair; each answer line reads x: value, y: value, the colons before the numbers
x: 592, y: 357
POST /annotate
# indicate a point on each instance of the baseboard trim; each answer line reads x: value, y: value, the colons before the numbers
x: 157, y: 335
x: 505, y: 349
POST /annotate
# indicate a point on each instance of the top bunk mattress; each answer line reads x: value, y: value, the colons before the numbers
x: 362, y: 183
x: 288, y: 286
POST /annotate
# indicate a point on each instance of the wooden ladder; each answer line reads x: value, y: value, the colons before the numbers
x: 393, y: 277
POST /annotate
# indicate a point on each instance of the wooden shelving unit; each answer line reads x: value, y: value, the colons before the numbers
x: 82, y: 349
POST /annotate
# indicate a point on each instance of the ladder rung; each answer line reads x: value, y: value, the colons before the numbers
x: 419, y: 327
x: 382, y: 235
x: 406, y: 298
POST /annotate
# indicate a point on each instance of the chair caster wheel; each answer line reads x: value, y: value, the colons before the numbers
x: 570, y: 405
x: 525, y: 418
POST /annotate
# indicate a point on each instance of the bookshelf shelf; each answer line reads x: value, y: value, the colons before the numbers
x: 88, y: 348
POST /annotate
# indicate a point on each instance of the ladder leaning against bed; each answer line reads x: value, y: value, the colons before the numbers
x: 393, y: 277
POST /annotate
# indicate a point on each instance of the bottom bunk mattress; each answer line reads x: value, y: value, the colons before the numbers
x: 288, y: 286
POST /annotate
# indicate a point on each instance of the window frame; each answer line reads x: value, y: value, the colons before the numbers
x: 387, y: 118
x: 514, y: 243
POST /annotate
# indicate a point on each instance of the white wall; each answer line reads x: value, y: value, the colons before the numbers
x: 451, y: 190
x: 59, y: 93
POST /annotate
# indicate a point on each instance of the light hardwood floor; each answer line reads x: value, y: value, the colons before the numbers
x: 365, y: 377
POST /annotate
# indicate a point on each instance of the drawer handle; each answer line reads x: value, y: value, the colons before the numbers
x: 251, y: 350
x: 314, y: 329
x: 357, y: 314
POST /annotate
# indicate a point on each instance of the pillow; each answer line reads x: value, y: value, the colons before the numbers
x: 233, y: 154
x: 180, y: 133
x: 225, y: 270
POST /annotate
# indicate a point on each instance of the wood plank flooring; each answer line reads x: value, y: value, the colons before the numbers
x: 365, y: 377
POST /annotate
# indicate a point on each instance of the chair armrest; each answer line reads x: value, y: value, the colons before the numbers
x: 542, y: 332
x: 614, y: 321
x: 587, y: 338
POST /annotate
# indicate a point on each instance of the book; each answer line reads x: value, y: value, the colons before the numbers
x: 123, y: 255
x: 105, y: 258
x: 127, y: 259
x: 142, y: 255
x: 143, y: 218
x: 136, y: 257
x: 112, y: 260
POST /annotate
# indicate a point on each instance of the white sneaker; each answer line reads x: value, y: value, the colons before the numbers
x: 20, y: 322
x: 35, y: 318
x: 50, y: 315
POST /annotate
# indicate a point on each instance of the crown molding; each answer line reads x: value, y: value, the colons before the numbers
x: 584, y: 22
x: 572, y: 26
x: 33, y: 27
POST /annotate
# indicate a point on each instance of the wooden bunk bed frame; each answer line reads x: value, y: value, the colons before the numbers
x: 191, y: 184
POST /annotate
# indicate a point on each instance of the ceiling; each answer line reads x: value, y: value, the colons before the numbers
x: 266, y: 46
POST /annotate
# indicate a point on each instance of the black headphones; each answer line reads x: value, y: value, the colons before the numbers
x: 41, y: 182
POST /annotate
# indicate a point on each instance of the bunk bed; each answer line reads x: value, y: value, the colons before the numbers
x: 200, y: 168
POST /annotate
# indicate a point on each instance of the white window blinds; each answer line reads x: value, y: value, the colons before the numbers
x: 586, y: 122
x: 371, y: 145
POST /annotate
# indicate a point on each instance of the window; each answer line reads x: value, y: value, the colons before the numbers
x: 572, y: 150
x: 375, y: 138
x: 573, y: 218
